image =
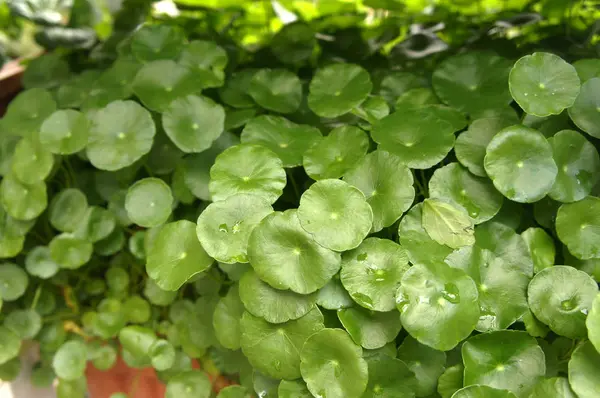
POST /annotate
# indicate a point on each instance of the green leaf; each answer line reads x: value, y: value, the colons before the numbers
x: 207, y: 60
x: 176, y: 255
x: 247, y: 169
x: 482, y: 391
x: 137, y: 309
x: 48, y: 70
x: 337, y: 89
x: 336, y: 214
x: 70, y: 360
x: 372, y: 272
x: 224, y: 227
x: 31, y: 162
x: 189, y: 384
x: 556, y: 387
x: 227, y: 317
x: 476, y: 195
x: 12, y: 228
x: 27, y: 111
x: 263, y: 385
x: 235, y: 392
x: 286, y: 139
x: 275, y: 306
x: 417, y: 242
x: 578, y: 166
x: 396, y: 83
x: 577, y: 227
x: 285, y: 256
x: 583, y: 369
x: 158, y: 296
x: 24, y: 323
x: 294, y: 44
x: 332, y: 365
x: 561, y: 297
x: 519, y: 162
x: 506, y: 359
x: 193, y: 123
x: 13, y: 281
x: 421, y: 137
x: 439, y: 305
x: 389, y: 377
x: 416, y: 97
x: 386, y: 183
x: 584, y: 111
x: 113, y: 84
x: 274, y: 349
x: 587, y: 68
x: 370, y: 329
x: 541, y: 247
x: 593, y: 323
x: 333, y: 296
x: 67, y: 209
x: 447, y: 224
x: 10, y: 345
x: 293, y: 389
x: 65, y: 132
x: 137, y: 340
x: 159, y: 41
x: 104, y: 357
x: 22, y: 201
x: 69, y: 251
x: 11, y: 247
x: 235, y: 92
x: 38, y: 262
x: 426, y: 363
x: 373, y: 109
x: 162, y: 354
x: 149, y: 202
x: 96, y: 224
x: 503, y: 242
x: 543, y: 84
x: 473, y: 81
x: 451, y: 381
x: 336, y: 153
x: 277, y: 90
x: 120, y: 134
x: 471, y: 144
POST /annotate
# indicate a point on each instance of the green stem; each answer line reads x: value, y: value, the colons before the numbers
x: 36, y: 298
x: 294, y: 185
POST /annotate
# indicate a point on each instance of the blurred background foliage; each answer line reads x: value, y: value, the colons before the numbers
x: 401, y: 30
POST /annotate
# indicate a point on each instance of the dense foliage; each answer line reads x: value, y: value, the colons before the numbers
x: 332, y: 214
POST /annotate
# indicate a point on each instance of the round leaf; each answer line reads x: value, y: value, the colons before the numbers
x: 285, y: 256
x: 369, y: 329
x: 159, y: 41
x: 70, y: 360
x: 38, y: 262
x: 333, y: 296
x: 584, y: 111
x: 543, y: 84
x: 31, y: 162
x: 13, y: 281
x: 27, y: 111
x: 587, y: 68
x: 235, y: 91
x: 438, y: 304
x: 578, y: 227
x: 507, y: 360
x: 337, y: 89
x: 584, y: 368
x: 482, y: 391
x: 149, y: 202
x: 224, y: 227
x: 65, y: 132
x: 519, y: 162
x: 70, y: 252
x: 426, y: 363
x: 97, y: 224
x: 193, y: 123
x: 389, y: 378
x: 162, y: 354
x: 247, y: 169
x: 386, y: 183
x: 593, y: 323
x: 336, y: 214
x: 332, y: 365
x: 10, y: 345
x: 336, y: 153
x: 293, y: 389
x: 176, y: 255
x: 67, y: 209
x: 189, y: 384
x: 24, y: 323
x: 21, y: 201
x: 556, y: 387
x: 226, y: 319
x: 234, y: 391
x: 277, y: 90
x: 372, y: 272
x: 207, y: 60
x: 447, y: 224
x: 541, y: 247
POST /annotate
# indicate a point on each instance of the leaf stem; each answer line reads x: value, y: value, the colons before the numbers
x: 36, y: 297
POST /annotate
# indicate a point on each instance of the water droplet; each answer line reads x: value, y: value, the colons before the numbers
x: 423, y: 300
x: 277, y: 365
x: 362, y: 257
x: 526, y: 94
x: 262, y: 394
x: 451, y: 293
x: 584, y: 311
x: 223, y: 228
x: 401, y: 301
x: 236, y: 227
x: 487, y: 319
x: 568, y: 305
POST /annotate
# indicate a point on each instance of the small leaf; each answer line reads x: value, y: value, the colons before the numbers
x: 426, y: 363
x: 189, y: 384
x: 369, y: 329
x: 65, y: 132
x: 541, y: 247
x: 577, y: 226
x: 70, y: 360
x: 277, y: 90
x: 149, y: 202
x: 447, y: 224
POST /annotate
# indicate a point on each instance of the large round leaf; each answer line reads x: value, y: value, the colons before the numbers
x: 70, y: 360
x: 67, y: 209
x: 543, y: 84
x: 561, y: 297
x: 112, y: 85
x: 336, y: 153
x: 584, y: 368
x: 189, y: 384
x: 13, y: 282
x: 193, y: 122
x: 247, y: 169
x: 593, y: 323
x: 421, y: 248
x: 121, y: 133
x: 275, y: 306
x: 207, y: 60
x: 24, y: 323
x: 473, y: 81
x: 578, y: 166
x: 332, y: 365
x: 65, y: 132
x: 285, y: 256
x: 27, y: 111
x: 386, y: 183
x: 438, y: 304
x: 336, y: 214
x: 476, y: 195
x: 506, y: 360
x: 176, y: 255
x: 158, y: 41
x: 389, y: 378
x: 277, y: 90
x: 274, y: 349
x: 372, y: 272
x: 471, y: 144
x: 31, y: 162
x: 149, y: 202
x: 287, y: 139
x: 503, y: 242
x: 369, y: 329
x: 69, y: 251
x: 482, y: 391
x: 578, y: 227
x: 421, y: 137
x: 10, y: 344
x: 426, y: 363
x: 337, y: 89
x: 226, y: 319
x: 22, y: 201
x: 519, y: 162
x: 224, y: 227
x: 556, y: 387
x: 584, y: 111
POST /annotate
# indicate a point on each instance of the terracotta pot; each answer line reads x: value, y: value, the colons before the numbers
x: 10, y: 82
